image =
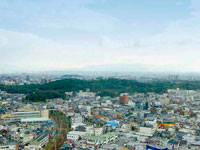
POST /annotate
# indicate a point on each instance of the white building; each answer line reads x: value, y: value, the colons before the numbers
x: 94, y: 131
x: 27, y: 138
x: 75, y: 135
x: 39, y: 142
x: 146, y: 131
x: 8, y: 147
x: 17, y: 116
x: 44, y: 113
x: 77, y: 118
x: 86, y: 94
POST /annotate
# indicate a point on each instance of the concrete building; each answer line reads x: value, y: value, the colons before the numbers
x: 124, y: 98
x: 34, y: 120
x: 44, y: 113
x: 77, y: 118
x: 39, y: 142
x: 8, y: 147
x: 94, y: 131
x: 29, y: 114
x: 75, y: 135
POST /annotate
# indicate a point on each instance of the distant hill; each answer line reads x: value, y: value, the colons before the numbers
x: 108, y: 87
x: 71, y: 76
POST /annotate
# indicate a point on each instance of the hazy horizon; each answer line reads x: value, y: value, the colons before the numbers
x: 100, y: 35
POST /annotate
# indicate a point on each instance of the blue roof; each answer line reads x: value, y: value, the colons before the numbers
x: 112, y: 123
x: 138, y: 101
x: 49, y: 123
x: 125, y: 121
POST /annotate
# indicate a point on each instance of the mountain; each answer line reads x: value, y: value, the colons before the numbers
x: 132, y: 68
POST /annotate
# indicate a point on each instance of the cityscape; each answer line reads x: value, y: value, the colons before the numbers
x: 99, y: 75
x: 83, y: 119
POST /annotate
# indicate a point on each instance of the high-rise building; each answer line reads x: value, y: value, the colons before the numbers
x: 27, y: 78
x: 124, y: 98
x: 173, y: 77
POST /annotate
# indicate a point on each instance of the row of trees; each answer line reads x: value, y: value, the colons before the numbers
x: 109, y: 87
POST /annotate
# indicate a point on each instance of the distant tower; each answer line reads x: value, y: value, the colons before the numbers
x: 173, y: 77
x: 124, y: 98
x: 146, y: 106
x: 27, y: 78
x: 43, y: 80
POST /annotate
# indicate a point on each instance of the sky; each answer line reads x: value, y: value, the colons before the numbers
x: 42, y: 35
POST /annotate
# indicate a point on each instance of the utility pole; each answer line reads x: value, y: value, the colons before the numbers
x: 55, y: 144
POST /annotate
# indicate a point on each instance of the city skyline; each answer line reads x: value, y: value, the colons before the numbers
x: 155, y: 36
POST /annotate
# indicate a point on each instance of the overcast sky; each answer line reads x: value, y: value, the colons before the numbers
x: 63, y: 34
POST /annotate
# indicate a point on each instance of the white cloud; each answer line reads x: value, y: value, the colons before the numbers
x: 177, y: 46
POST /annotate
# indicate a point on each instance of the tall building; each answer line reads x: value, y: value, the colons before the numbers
x: 124, y: 98
x: 44, y: 113
x: 173, y: 77
x: 27, y: 78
